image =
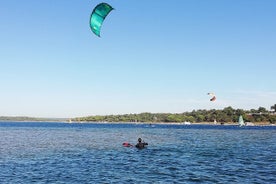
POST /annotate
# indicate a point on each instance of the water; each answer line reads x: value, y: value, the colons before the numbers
x: 93, y: 153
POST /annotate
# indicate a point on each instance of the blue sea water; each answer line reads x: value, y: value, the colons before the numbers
x: 93, y: 153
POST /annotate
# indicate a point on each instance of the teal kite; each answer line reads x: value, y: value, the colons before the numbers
x: 97, y: 17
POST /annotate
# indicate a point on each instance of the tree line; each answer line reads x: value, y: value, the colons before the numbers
x: 226, y: 115
x: 25, y: 118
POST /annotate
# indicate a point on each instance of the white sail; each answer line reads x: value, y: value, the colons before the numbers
x: 241, y: 122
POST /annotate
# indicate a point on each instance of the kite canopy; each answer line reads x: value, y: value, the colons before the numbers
x: 97, y: 17
x: 213, y: 96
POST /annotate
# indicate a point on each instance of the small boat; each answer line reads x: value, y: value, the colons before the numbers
x: 249, y: 124
x: 186, y: 123
x: 215, y: 121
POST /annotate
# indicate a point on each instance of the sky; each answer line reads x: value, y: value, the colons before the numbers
x: 153, y: 56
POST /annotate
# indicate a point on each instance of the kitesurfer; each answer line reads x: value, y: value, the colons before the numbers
x: 141, y: 144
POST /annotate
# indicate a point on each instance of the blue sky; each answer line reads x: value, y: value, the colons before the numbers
x: 153, y: 56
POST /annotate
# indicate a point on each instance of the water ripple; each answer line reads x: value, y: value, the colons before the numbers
x: 74, y: 154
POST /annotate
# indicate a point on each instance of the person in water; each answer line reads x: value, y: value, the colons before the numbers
x: 141, y: 144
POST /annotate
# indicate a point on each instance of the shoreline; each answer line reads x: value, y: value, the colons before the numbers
x: 140, y: 123
x: 174, y: 123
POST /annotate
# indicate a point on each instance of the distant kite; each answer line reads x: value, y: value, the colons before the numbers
x: 97, y: 17
x: 213, y: 96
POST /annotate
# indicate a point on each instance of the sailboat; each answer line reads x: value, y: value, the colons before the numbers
x: 241, y: 122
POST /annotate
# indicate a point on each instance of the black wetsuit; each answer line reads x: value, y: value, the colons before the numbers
x: 141, y: 145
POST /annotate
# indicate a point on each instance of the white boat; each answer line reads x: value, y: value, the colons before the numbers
x: 249, y: 124
x: 186, y: 123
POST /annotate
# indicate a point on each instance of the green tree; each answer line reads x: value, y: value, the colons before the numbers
x: 174, y: 118
x: 190, y: 119
x: 229, y: 111
x: 199, y: 118
x: 262, y: 110
x: 272, y: 119
x: 273, y: 108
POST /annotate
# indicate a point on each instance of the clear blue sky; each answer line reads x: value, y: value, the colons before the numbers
x: 153, y: 56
